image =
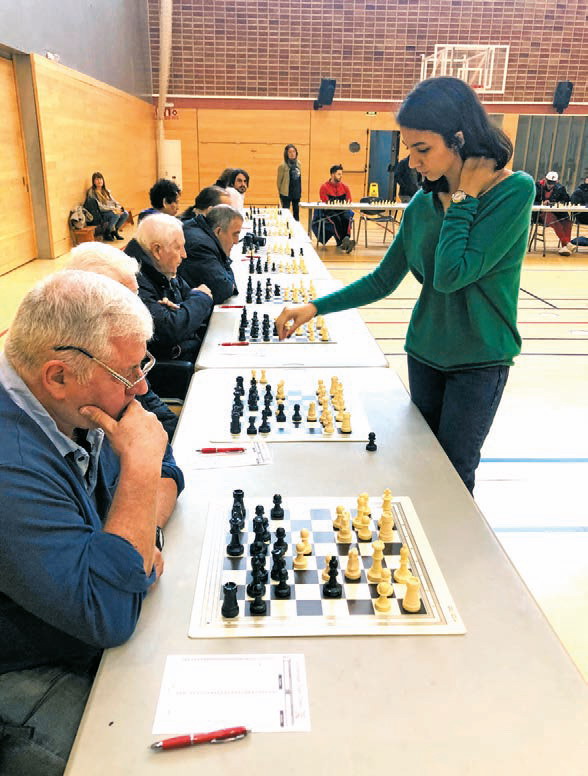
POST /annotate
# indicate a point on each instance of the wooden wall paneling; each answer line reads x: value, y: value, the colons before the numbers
x: 185, y: 129
x: 17, y: 232
x: 253, y: 140
x: 84, y: 126
x: 331, y: 134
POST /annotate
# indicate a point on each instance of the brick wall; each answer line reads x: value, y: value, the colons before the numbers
x: 282, y: 48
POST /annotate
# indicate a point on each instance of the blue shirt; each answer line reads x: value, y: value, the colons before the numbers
x: 68, y: 589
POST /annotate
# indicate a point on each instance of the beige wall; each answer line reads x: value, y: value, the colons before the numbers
x: 86, y: 125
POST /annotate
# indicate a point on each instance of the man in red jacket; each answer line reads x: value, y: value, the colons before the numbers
x: 334, y: 190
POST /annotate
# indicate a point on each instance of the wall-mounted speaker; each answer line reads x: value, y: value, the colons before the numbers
x: 562, y: 95
x: 326, y: 93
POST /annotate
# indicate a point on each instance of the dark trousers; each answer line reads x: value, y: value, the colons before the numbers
x: 295, y: 202
x: 459, y: 408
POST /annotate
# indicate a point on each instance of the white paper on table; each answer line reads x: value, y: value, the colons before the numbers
x: 256, y: 454
x: 202, y: 693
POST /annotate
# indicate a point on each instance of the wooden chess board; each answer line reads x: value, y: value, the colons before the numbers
x: 307, y: 612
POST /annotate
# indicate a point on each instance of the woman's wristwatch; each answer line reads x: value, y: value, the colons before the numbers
x: 458, y: 196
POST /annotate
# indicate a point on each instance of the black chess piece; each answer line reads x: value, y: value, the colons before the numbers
x: 280, y: 543
x: 371, y: 445
x: 230, y: 607
x: 265, y: 427
x: 258, y: 548
x: 258, y: 566
x: 279, y: 562
x: 258, y: 527
x: 277, y: 290
x: 251, y: 266
x: 332, y: 588
x: 283, y: 589
x: 235, y: 427
x: 235, y: 548
x: 252, y: 403
x: 251, y: 430
x: 255, y: 580
x: 258, y: 605
x: 281, y: 415
x: 297, y: 417
x: 277, y: 513
x: 239, y: 385
x: 239, y: 500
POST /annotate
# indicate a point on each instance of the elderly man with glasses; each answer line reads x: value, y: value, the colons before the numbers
x: 87, y: 480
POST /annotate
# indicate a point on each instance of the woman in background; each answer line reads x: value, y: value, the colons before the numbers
x: 289, y: 180
x: 463, y: 237
x: 112, y: 213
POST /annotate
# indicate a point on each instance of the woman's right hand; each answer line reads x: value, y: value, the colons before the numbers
x: 291, y: 318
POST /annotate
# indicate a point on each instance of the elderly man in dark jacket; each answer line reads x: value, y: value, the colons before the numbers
x: 180, y: 313
x: 209, y: 240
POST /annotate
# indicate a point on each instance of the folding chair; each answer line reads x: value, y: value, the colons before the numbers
x: 387, y: 220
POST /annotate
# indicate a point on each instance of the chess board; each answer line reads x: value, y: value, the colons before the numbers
x: 276, y: 264
x: 307, y: 612
x: 299, y: 389
x: 265, y: 291
x: 301, y: 337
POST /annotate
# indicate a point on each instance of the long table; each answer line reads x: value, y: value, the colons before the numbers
x: 503, y: 698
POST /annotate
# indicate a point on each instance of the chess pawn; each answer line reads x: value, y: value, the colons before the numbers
x: 387, y: 500
x: 304, y: 534
x: 324, y: 334
x: 337, y: 522
x: 364, y: 532
x: 339, y: 416
x: 300, y: 562
x: 295, y: 295
x: 383, y: 603
x: 412, y: 599
x: 402, y: 573
x: 345, y: 535
x: 253, y: 374
x: 353, y: 569
x: 311, y: 336
x: 325, y: 574
x: 320, y: 321
x: 358, y: 519
x: 374, y: 574
x: 280, y: 395
x: 320, y: 387
x: 366, y: 503
x: 386, y: 527
x: 329, y: 428
x: 334, y: 384
x: 387, y: 577
x: 263, y: 378
x: 346, y: 423
x: 311, y: 417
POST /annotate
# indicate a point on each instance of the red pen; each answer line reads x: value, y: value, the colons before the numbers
x: 231, y: 306
x: 231, y: 344
x: 216, y: 737
x: 208, y: 450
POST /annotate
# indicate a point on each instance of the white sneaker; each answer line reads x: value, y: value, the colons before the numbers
x: 565, y: 251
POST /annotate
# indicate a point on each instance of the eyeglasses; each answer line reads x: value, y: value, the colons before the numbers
x: 145, y: 366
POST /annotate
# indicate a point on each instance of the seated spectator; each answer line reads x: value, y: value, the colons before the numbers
x: 580, y: 197
x: 180, y: 313
x: 163, y: 195
x: 549, y: 192
x: 109, y: 215
x: 106, y: 260
x: 237, y: 186
x: 209, y: 240
x: 407, y: 179
x: 207, y: 198
x: 334, y: 190
x: 86, y: 478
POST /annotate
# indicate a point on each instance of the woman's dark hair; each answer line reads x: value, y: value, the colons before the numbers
x: 447, y: 106
x: 224, y: 177
x: 163, y: 190
x: 208, y: 197
x: 290, y: 145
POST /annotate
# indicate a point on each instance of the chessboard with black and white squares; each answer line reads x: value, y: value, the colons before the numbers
x: 307, y: 611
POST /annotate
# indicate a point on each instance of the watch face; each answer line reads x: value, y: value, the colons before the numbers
x: 458, y: 196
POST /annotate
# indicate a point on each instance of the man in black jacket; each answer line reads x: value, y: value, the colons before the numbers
x: 580, y: 197
x: 180, y: 313
x: 209, y: 240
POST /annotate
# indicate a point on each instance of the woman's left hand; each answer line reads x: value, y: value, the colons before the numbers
x: 477, y: 175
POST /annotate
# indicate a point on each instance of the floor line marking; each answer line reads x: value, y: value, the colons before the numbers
x: 533, y: 460
x: 540, y: 529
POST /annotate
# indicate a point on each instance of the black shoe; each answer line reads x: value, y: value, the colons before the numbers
x: 350, y: 246
x: 118, y: 236
x: 108, y: 236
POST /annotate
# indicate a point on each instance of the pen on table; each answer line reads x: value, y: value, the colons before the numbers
x: 231, y: 306
x: 208, y: 450
x: 215, y: 737
x: 230, y: 344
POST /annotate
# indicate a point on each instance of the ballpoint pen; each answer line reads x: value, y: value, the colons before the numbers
x: 208, y: 450
x: 231, y: 344
x: 215, y: 737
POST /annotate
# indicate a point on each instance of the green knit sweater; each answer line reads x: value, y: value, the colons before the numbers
x: 468, y: 261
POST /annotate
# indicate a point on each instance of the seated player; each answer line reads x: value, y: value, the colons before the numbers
x: 207, y: 198
x: 580, y: 197
x: 334, y: 190
x: 180, y: 313
x: 86, y: 477
x: 209, y: 240
x: 237, y: 186
x: 549, y: 192
x: 107, y: 260
x: 164, y: 196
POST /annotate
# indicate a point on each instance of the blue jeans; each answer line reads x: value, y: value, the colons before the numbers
x: 459, y: 408
x: 114, y: 221
x: 40, y: 710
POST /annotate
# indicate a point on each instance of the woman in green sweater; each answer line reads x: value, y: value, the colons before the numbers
x: 463, y: 237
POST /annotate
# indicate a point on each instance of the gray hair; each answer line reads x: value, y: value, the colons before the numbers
x: 157, y: 228
x: 105, y: 260
x: 78, y: 308
x: 223, y: 216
